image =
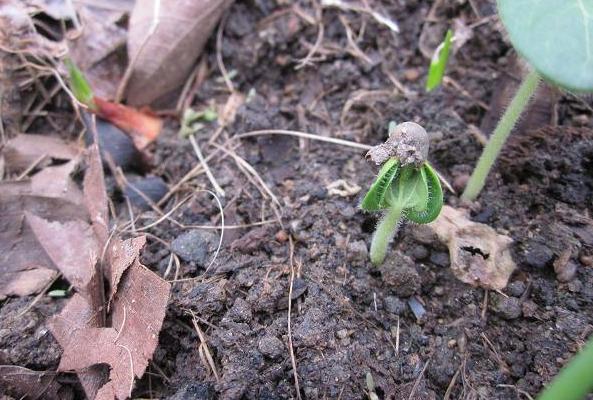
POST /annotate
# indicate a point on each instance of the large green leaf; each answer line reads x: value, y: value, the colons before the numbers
x: 555, y: 36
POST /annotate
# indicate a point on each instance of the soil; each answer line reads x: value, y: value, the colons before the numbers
x: 349, y: 318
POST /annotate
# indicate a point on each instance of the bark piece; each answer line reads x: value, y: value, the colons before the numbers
x: 479, y: 255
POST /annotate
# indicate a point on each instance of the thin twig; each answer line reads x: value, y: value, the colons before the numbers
x: 205, y: 347
x: 304, y: 135
x: 219, y: 61
x: 209, y: 174
x: 417, y: 383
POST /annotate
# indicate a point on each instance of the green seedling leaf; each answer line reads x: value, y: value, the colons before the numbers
x: 209, y: 115
x: 436, y: 71
x: 555, y: 36
x: 434, y: 201
x: 375, y: 199
x: 410, y: 190
x: 79, y: 85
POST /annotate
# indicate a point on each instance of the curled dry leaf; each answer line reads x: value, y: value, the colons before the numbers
x: 479, y: 255
x: 23, y: 383
x: 51, y: 194
x: 164, y: 44
x: 22, y: 151
x: 137, y: 313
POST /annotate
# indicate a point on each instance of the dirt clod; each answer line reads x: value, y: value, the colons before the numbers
x: 195, y: 246
x: 507, y: 307
x: 400, y: 276
x: 270, y: 346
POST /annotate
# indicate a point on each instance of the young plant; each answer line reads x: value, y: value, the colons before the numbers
x: 556, y: 38
x: 407, y: 187
x: 436, y: 70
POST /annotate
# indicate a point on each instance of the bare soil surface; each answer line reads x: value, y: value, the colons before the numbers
x: 349, y: 318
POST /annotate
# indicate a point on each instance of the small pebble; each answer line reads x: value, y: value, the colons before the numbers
x: 439, y: 290
x: 394, y: 305
x: 566, y: 272
x: 439, y: 259
x: 587, y: 261
x: 281, y: 236
x: 195, y: 245
x: 342, y: 333
x: 420, y: 252
x: 411, y: 74
x: 515, y: 288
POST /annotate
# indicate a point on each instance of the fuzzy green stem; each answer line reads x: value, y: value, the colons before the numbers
x: 500, y: 135
x: 575, y: 380
x: 384, y: 233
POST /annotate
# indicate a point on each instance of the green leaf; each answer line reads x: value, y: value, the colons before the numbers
x: 409, y: 191
x: 375, y: 199
x: 436, y: 71
x: 79, y: 85
x: 435, y: 198
x: 555, y: 36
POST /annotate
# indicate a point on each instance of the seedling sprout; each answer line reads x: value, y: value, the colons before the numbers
x: 407, y: 187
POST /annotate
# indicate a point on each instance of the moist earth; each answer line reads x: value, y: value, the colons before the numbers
x: 419, y: 332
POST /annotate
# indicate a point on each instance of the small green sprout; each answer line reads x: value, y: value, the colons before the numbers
x: 556, y: 38
x: 407, y: 187
x: 191, y: 121
x: 436, y: 70
x: 81, y: 89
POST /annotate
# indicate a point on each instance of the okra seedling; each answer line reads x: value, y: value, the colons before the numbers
x: 407, y: 187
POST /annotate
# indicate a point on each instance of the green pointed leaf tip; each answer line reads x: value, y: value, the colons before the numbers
x: 79, y: 85
x: 555, y: 36
x: 375, y: 198
x: 436, y: 71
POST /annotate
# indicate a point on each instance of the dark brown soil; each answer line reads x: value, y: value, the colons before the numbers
x: 348, y: 317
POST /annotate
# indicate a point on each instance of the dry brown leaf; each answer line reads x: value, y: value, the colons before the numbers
x: 23, y: 383
x: 50, y: 194
x: 76, y: 315
x: 70, y: 245
x: 479, y: 255
x: 138, y: 311
x: 164, y: 59
x: 24, y: 150
x: 122, y: 256
x: 95, y: 195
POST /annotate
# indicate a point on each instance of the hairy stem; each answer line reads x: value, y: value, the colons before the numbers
x: 384, y: 233
x: 575, y: 380
x: 500, y: 135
